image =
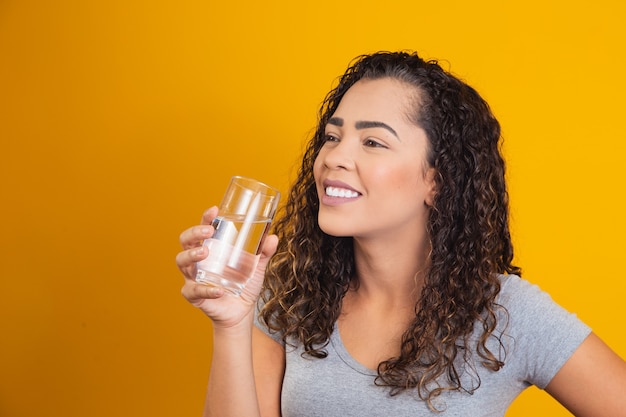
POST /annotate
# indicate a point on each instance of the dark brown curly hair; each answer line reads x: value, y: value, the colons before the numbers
x: 468, y: 228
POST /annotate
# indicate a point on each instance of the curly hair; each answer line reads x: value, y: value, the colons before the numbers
x: 311, y: 272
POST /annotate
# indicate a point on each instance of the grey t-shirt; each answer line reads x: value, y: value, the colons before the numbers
x: 539, y: 338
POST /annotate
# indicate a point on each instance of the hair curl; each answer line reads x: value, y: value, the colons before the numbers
x: 310, y: 273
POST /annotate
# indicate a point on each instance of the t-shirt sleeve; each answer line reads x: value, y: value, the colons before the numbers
x: 258, y: 322
x: 544, y: 335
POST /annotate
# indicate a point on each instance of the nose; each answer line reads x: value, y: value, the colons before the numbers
x: 339, y: 155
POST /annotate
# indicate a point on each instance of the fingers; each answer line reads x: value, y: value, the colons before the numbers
x: 194, y: 251
x: 194, y: 236
x: 209, y: 215
x: 186, y: 260
x: 197, y: 293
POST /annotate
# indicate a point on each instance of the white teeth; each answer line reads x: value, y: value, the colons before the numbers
x: 340, y: 192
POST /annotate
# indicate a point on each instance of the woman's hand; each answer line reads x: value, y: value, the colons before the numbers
x: 224, y: 309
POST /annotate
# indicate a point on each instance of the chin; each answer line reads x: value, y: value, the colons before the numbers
x: 334, y: 229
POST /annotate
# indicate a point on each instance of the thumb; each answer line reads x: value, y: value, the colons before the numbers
x: 253, y: 287
x: 269, y: 246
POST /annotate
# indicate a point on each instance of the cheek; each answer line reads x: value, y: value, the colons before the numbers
x: 317, y: 168
x: 399, y: 177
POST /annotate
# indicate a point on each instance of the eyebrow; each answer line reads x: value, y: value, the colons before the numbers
x: 337, y: 121
x: 363, y: 124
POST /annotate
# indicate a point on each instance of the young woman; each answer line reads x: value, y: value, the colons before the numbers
x: 389, y: 288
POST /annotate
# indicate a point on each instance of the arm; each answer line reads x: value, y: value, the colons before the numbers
x: 232, y: 389
x: 592, y: 383
x: 268, y: 360
x: 246, y: 378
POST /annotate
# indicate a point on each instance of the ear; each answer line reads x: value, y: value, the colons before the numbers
x: 431, y: 186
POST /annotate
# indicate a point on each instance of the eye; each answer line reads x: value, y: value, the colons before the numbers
x: 373, y: 144
x: 330, y: 138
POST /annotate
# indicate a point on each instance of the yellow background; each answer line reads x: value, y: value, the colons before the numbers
x: 121, y: 121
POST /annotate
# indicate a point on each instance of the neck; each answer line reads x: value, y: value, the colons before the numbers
x: 388, y: 270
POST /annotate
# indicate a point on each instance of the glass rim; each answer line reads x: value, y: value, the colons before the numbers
x: 261, y: 184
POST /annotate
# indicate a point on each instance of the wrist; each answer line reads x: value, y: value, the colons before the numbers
x: 238, y: 329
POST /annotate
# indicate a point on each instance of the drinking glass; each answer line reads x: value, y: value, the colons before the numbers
x: 244, y: 219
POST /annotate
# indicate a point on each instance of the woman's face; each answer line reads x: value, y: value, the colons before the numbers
x: 371, y: 173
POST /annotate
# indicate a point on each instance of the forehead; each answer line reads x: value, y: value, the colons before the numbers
x: 384, y: 99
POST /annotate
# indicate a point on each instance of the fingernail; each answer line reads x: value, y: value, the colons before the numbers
x: 205, y: 230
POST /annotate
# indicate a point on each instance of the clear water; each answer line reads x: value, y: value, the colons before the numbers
x: 234, y: 252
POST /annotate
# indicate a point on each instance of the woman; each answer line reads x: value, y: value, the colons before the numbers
x: 389, y: 287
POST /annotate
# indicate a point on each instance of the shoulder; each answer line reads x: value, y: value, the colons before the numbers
x: 529, y: 306
x: 520, y: 296
x: 512, y: 286
x: 544, y: 334
x: 260, y: 323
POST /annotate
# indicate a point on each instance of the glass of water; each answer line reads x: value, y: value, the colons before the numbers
x: 244, y: 219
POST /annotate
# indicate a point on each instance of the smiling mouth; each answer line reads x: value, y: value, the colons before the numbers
x: 340, y: 192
